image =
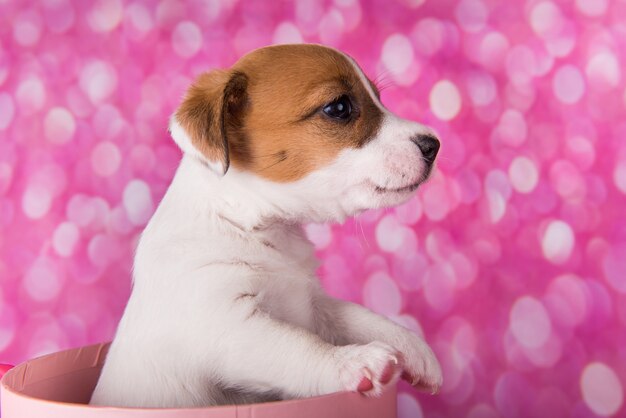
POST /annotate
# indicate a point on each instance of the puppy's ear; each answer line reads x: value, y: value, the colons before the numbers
x: 212, y: 109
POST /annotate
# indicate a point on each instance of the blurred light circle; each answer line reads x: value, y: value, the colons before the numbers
x: 51, y: 177
x: 105, y: 15
x: 512, y: 394
x: 397, y: 53
x: 445, y: 100
x: 493, y: 49
x: 65, y: 238
x: 469, y: 185
x: 601, y: 389
x: 558, y: 242
x: 27, y: 29
x: 512, y: 128
x: 413, y: 4
x: 482, y: 88
x: 59, y: 126
x: 142, y: 158
x: 118, y: 221
x: 31, y: 95
x: 408, y: 406
x: 498, y: 181
x: 465, y: 269
x: 331, y: 27
x: 98, y: 79
x: 59, y: 15
x: 187, y: 39
x: 562, y: 44
x: 439, y: 245
x: 287, y: 33
x: 592, y: 8
x: 409, y: 271
x: 137, y: 201
x: 546, y: 18
x: 523, y: 175
x: 529, y: 322
x: 102, y: 250
x: 107, y: 122
x: 521, y: 64
x: 36, y: 201
x: 548, y: 354
x: 140, y: 17
x: 463, y: 390
x: 568, y: 84
x: 410, y: 212
x: 381, y: 294
x: 212, y: 8
x: 7, y: 110
x: 472, y: 15
x: 614, y: 268
x: 41, y: 281
x: 581, y: 151
x: 79, y: 210
x: 308, y: 12
x: 388, y: 234
x: 46, y: 336
x: 435, y: 200
x: 105, y: 159
x: 428, y: 35
x: 439, y: 287
x: 566, y: 180
x: 603, y: 70
x: 409, y: 242
x: 461, y: 337
x: 496, y: 205
x: 567, y: 300
x: 619, y: 176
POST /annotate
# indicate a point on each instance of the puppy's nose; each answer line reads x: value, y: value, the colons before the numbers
x: 428, y: 144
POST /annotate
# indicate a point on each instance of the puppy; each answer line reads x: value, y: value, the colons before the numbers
x: 226, y: 307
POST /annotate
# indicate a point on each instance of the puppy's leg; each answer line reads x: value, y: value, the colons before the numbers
x: 264, y: 354
x: 348, y: 323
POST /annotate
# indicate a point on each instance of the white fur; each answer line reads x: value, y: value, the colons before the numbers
x: 226, y: 307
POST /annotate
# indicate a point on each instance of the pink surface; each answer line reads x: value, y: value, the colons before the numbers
x: 55, y: 385
x: 512, y: 260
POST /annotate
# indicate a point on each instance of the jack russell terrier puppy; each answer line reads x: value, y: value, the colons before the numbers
x: 226, y: 307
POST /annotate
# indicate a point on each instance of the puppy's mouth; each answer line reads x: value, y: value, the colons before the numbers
x: 409, y: 188
x: 406, y: 189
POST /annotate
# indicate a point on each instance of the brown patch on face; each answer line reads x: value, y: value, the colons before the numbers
x: 288, y: 134
x: 273, y: 122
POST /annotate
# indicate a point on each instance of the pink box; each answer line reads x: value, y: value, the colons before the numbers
x: 59, y: 385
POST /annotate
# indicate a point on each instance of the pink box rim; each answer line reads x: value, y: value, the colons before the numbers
x: 18, y: 383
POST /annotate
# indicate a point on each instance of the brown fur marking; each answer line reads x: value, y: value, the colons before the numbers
x: 269, y: 107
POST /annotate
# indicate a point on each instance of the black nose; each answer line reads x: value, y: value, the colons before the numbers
x: 428, y: 144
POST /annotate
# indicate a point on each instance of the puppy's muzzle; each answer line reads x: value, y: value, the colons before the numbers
x: 428, y: 145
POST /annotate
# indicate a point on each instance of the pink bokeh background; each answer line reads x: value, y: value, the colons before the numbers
x: 511, y: 260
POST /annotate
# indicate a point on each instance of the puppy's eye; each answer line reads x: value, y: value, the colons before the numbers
x: 340, y: 108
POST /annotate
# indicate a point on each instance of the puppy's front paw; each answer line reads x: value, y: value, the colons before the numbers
x: 367, y: 368
x: 420, y: 366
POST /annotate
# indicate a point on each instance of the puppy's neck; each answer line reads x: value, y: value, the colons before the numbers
x: 233, y: 198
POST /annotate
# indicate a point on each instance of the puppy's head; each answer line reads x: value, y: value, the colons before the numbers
x: 303, y: 121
